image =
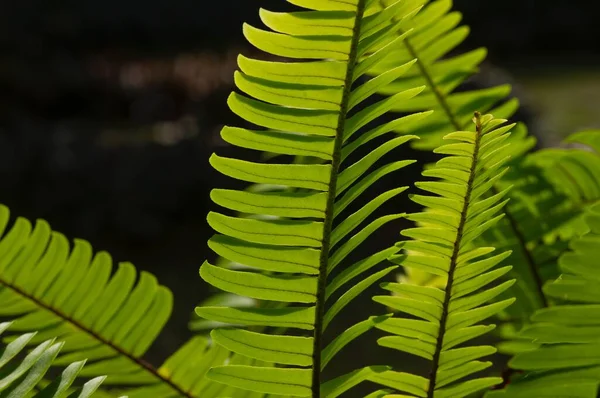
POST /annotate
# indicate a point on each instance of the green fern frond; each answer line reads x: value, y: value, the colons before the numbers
x: 444, y: 245
x: 552, y: 188
x: 106, y: 318
x: 22, y: 375
x: 293, y: 240
x: 436, y: 32
x: 566, y: 360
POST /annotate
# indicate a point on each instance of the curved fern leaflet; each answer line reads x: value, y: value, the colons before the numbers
x: 23, y: 375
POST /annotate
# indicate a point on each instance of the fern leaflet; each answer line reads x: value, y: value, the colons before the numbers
x: 436, y: 33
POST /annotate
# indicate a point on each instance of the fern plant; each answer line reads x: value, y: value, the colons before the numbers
x: 538, y: 211
x: 289, y: 244
x: 444, y: 245
x: 553, y: 189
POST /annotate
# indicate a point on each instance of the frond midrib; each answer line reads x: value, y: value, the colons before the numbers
x: 138, y: 361
x: 532, y: 266
x: 330, y: 209
x: 454, y: 261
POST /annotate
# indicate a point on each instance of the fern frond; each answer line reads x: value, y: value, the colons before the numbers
x: 23, y: 374
x: 436, y: 32
x: 444, y: 245
x: 106, y: 318
x: 574, y: 172
x: 566, y: 360
x: 552, y: 188
x: 293, y: 241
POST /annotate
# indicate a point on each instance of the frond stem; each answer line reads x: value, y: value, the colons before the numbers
x: 138, y: 361
x: 431, y: 83
x: 533, y: 267
x: 329, y: 210
x: 454, y: 261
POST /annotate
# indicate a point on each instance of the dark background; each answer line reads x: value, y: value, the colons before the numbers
x: 109, y: 111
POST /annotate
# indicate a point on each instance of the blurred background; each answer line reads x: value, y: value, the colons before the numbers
x: 109, y: 111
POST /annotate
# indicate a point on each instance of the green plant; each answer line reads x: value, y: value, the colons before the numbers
x: 100, y: 315
x: 565, y: 360
x: 443, y: 245
x: 500, y: 217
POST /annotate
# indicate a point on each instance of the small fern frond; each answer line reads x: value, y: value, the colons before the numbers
x: 566, y: 359
x: 296, y: 242
x: 103, y: 317
x: 444, y: 245
x: 22, y: 374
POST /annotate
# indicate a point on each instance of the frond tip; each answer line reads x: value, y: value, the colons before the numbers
x: 443, y: 245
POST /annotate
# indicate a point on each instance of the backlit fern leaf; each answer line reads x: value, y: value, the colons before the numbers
x: 443, y: 245
x: 294, y: 242
x: 436, y: 32
x: 102, y: 316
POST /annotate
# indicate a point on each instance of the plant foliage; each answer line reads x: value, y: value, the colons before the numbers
x: 106, y: 317
x: 348, y: 84
x: 316, y: 109
x: 20, y: 377
x: 443, y: 245
x: 551, y: 188
x: 566, y: 358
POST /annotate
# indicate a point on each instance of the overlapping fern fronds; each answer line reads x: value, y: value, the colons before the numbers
x: 566, y: 359
x: 294, y: 243
x: 552, y: 188
x: 23, y: 375
x: 444, y: 245
x: 436, y: 34
x: 106, y: 318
